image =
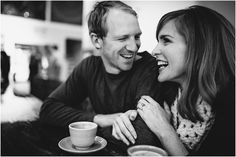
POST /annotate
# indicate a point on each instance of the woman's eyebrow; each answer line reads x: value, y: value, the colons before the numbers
x: 165, y: 35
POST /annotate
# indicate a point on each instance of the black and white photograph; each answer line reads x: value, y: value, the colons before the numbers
x: 117, y: 78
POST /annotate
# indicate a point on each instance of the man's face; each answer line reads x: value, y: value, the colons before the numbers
x: 120, y: 46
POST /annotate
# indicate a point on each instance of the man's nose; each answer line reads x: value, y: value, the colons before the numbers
x: 133, y: 45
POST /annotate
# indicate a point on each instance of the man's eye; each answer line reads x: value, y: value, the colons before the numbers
x: 122, y: 39
x: 137, y: 37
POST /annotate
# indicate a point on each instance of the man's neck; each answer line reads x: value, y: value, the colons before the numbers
x: 112, y: 70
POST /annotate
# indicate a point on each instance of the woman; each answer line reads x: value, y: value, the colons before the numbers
x: 196, y: 58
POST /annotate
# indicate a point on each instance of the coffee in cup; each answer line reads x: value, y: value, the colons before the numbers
x: 145, y: 150
x: 82, y: 134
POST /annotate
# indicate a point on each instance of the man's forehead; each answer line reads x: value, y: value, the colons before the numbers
x: 122, y: 23
x: 114, y: 12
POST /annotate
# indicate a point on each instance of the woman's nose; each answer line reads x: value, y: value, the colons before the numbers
x: 156, y: 51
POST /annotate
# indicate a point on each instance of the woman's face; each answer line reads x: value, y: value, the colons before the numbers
x: 170, y: 53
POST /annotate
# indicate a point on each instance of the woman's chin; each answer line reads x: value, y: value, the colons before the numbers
x: 161, y: 79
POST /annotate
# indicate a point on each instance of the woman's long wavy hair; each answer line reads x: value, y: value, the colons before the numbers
x: 210, y: 57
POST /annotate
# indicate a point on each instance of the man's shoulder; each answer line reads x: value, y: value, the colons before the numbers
x: 89, y: 62
x: 144, y: 56
x: 145, y: 59
x: 145, y: 66
x: 88, y: 66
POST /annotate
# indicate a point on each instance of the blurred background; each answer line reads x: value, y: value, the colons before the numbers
x: 46, y: 39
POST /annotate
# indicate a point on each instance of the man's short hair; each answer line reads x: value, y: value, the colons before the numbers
x: 98, y: 16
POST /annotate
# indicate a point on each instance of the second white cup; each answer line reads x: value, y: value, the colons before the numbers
x: 146, y: 150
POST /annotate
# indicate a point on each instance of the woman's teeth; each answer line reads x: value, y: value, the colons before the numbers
x: 162, y: 64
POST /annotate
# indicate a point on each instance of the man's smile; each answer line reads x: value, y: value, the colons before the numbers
x: 127, y: 56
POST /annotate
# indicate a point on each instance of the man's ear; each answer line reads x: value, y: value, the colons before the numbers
x: 97, y: 41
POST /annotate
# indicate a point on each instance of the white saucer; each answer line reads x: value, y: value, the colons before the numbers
x: 66, y: 145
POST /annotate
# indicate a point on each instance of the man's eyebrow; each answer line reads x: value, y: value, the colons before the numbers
x: 139, y: 34
x: 121, y: 36
x: 126, y: 35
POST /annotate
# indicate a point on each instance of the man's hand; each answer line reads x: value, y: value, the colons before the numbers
x: 122, y: 129
x: 104, y: 120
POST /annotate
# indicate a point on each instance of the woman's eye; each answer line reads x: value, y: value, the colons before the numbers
x: 166, y: 40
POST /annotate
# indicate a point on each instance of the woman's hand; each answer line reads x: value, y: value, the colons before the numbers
x: 122, y: 129
x: 156, y: 118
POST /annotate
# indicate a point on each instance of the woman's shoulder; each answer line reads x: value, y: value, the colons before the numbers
x: 226, y: 96
x: 225, y: 106
x: 223, y: 129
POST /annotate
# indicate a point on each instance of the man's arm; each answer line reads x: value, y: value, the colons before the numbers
x: 56, y: 113
x: 105, y: 120
x: 64, y: 105
x: 147, y: 84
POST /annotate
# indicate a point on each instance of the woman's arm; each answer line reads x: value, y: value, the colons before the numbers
x: 172, y: 143
x: 158, y: 120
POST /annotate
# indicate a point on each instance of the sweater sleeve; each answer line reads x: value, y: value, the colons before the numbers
x: 63, y: 105
x: 147, y: 83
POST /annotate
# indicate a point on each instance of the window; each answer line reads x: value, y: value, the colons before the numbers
x: 27, y: 9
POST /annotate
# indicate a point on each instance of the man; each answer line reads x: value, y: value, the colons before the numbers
x: 113, y: 81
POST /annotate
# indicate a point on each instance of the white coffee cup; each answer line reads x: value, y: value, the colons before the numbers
x: 145, y: 150
x: 82, y: 134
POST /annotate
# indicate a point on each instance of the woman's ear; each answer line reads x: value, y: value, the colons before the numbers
x: 97, y: 41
